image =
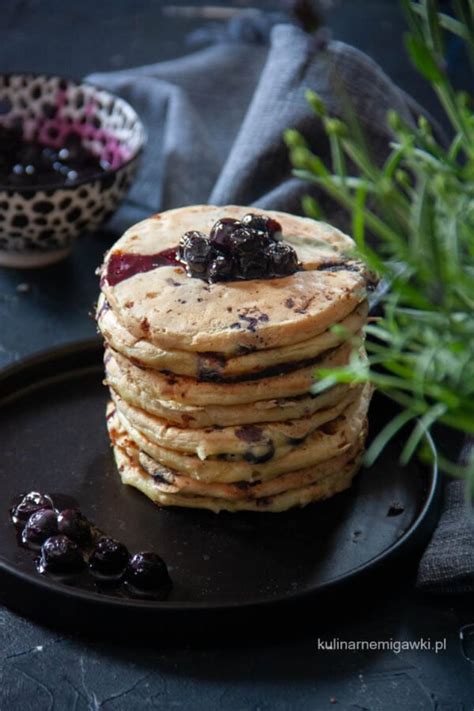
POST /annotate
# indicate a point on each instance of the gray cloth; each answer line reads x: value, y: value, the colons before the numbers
x: 215, y: 119
x: 215, y: 122
x: 448, y: 563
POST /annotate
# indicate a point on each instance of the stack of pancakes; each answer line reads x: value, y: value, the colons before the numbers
x: 210, y: 384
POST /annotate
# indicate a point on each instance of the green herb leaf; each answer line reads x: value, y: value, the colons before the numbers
x: 423, y: 59
x: 413, y: 223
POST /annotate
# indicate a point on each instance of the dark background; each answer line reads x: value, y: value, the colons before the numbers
x: 205, y: 668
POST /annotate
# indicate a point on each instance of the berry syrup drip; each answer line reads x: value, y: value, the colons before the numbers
x: 30, y: 163
x: 123, y: 265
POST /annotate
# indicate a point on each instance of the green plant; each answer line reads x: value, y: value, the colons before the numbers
x: 418, y: 209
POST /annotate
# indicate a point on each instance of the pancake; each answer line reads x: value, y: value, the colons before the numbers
x: 269, y: 440
x: 175, y: 483
x: 193, y: 416
x: 175, y: 312
x: 209, y: 366
x: 133, y: 474
x: 331, y: 440
x: 179, y: 388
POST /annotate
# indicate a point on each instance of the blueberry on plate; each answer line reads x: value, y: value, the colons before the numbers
x: 29, y: 504
x: 262, y: 223
x: 221, y: 233
x: 60, y: 555
x: 282, y: 259
x: 196, y: 252
x: 147, y: 572
x: 73, y: 524
x: 109, y: 558
x: 40, y: 526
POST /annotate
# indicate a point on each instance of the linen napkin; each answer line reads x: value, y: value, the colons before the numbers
x: 215, y: 121
x: 215, y: 118
x: 447, y: 564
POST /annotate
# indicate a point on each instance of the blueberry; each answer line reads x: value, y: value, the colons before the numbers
x: 48, y: 155
x: 245, y: 241
x: 196, y: 252
x: 282, y: 259
x: 220, y: 269
x: 253, y: 265
x: 73, y: 524
x: 221, y: 233
x: 147, y: 572
x: 29, y: 504
x: 60, y: 555
x: 109, y: 557
x: 40, y: 526
x: 263, y: 223
x: 249, y: 253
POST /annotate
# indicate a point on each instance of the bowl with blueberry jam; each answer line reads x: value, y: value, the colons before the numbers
x: 68, y: 154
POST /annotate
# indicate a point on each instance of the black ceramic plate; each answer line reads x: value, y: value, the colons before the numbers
x: 53, y: 439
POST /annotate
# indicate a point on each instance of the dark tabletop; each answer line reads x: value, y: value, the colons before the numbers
x: 259, y: 663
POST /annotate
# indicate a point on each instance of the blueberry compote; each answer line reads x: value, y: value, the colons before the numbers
x: 30, y: 163
x: 251, y: 248
x: 73, y: 550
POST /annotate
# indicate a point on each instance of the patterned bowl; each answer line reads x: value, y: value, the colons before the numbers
x: 38, y: 224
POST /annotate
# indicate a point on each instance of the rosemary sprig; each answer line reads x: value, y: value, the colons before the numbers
x: 413, y: 223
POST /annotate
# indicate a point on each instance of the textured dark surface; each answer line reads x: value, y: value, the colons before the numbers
x: 216, y: 665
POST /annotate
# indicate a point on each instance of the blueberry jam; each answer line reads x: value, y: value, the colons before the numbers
x: 76, y: 552
x: 31, y: 163
x: 251, y: 248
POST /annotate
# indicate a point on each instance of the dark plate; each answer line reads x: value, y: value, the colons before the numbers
x: 53, y: 439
